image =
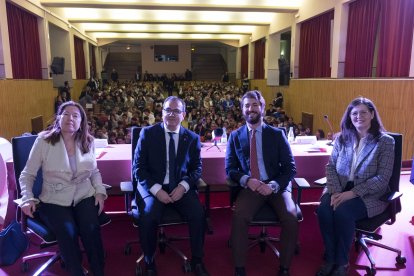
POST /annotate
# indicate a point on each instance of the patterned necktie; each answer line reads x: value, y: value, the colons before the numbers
x: 254, y: 166
x: 171, y: 161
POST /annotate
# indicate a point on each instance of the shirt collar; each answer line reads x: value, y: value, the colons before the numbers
x: 166, y: 130
x: 259, y: 128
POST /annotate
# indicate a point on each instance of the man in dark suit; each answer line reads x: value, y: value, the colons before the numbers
x: 167, y: 165
x: 259, y: 159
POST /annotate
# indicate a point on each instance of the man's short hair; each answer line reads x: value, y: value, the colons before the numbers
x: 254, y: 94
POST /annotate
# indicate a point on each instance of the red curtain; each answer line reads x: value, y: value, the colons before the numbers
x: 396, y: 37
x: 363, y: 25
x: 315, y: 47
x: 79, y: 58
x: 259, y: 56
x: 244, y: 61
x: 24, y: 43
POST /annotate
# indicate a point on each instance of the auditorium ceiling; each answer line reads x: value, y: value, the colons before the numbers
x: 226, y: 21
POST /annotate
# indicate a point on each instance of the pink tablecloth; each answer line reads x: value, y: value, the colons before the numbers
x: 114, y: 163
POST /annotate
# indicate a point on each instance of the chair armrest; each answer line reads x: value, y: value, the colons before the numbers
x: 126, y: 186
x: 320, y: 181
x: 389, y: 197
x: 201, y: 183
x: 18, y: 201
x: 107, y: 187
x: 231, y: 183
x: 301, y: 183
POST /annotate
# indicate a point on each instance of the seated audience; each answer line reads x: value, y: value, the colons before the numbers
x: 320, y: 134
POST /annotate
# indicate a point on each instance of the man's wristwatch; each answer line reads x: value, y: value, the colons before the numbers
x: 274, y: 187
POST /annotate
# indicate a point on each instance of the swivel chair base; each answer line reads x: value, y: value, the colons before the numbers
x: 363, y: 240
x: 163, y: 243
x: 263, y: 240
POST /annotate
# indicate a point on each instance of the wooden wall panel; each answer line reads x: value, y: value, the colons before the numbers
x: 393, y: 98
x: 77, y: 88
x: 20, y: 100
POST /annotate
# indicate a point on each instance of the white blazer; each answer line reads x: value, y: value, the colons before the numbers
x: 60, y: 186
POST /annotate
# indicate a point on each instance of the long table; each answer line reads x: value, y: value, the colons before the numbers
x: 114, y: 163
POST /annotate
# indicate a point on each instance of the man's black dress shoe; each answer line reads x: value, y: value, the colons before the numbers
x: 150, y: 272
x: 326, y: 269
x: 283, y: 271
x: 239, y: 271
x: 199, y: 270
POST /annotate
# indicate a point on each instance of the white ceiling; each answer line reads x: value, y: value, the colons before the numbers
x: 195, y: 20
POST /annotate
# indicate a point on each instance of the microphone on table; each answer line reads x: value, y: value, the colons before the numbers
x: 217, y: 133
x: 330, y: 129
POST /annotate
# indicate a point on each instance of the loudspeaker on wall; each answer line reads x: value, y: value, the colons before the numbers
x: 58, y: 65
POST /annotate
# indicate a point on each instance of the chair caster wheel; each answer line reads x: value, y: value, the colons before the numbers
x: 162, y: 248
x: 187, y: 267
x: 371, y: 271
x: 400, y: 259
x: 297, y: 249
x: 25, y: 267
x: 127, y: 250
x: 262, y: 248
x: 138, y: 271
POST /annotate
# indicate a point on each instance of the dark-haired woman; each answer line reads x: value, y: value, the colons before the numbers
x: 72, y: 191
x: 358, y: 173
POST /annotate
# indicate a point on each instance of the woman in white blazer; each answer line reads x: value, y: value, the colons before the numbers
x: 358, y: 173
x: 72, y: 194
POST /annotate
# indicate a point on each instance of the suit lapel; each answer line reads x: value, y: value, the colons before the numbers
x: 266, y: 144
x: 245, y: 142
x: 162, y: 146
x: 182, y: 145
x: 366, y: 150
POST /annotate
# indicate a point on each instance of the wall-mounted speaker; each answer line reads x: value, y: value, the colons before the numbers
x: 58, y: 65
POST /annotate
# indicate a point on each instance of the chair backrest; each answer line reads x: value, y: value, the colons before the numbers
x: 3, y: 189
x: 37, y: 124
x: 283, y: 129
x: 394, y: 183
x: 21, y: 149
x: 5, y: 149
x: 135, y: 131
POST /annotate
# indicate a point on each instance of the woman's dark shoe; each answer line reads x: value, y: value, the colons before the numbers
x: 326, y: 269
x: 340, y: 270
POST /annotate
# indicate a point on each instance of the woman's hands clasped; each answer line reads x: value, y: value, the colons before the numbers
x: 338, y: 198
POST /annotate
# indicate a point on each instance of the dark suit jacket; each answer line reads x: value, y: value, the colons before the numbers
x: 150, y: 158
x: 277, y: 155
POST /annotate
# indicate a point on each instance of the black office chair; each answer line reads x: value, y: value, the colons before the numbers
x: 21, y: 149
x: 169, y: 218
x: 266, y: 217
x: 366, y: 229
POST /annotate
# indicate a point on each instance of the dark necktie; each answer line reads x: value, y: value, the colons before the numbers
x: 171, y: 161
x: 254, y: 166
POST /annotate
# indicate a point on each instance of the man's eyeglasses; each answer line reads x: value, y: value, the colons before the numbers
x: 172, y: 111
